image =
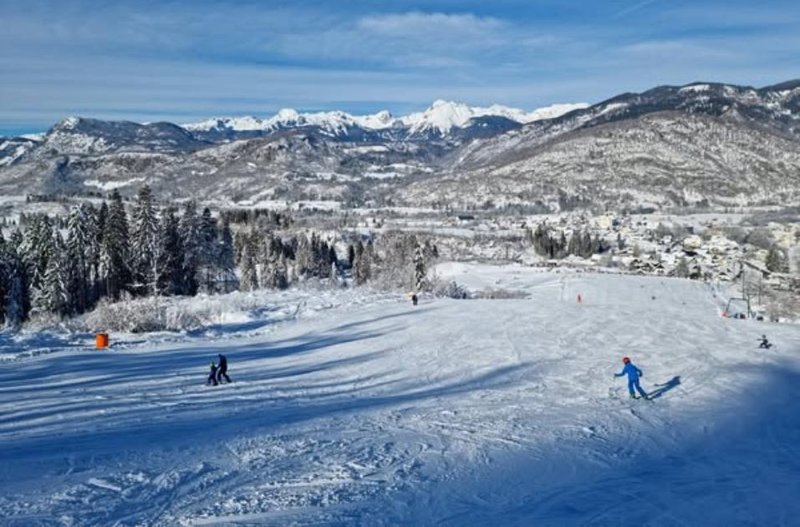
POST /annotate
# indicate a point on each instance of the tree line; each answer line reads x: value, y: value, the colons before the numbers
x: 64, y: 268
x: 554, y: 244
x: 60, y: 267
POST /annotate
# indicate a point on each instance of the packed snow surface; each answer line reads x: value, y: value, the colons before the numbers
x: 366, y: 411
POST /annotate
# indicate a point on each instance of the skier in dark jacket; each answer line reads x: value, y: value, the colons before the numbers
x: 223, y: 369
x: 764, y: 344
x: 212, y: 375
x: 633, y: 374
x: 414, y: 299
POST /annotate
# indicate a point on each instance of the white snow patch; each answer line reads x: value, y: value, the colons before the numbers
x: 367, y: 149
x: 111, y: 185
x: 695, y: 88
x: 613, y: 107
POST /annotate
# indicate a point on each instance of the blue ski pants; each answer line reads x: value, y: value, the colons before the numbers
x: 635, y: 383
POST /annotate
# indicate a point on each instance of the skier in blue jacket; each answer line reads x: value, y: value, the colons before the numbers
x: 633, y: 374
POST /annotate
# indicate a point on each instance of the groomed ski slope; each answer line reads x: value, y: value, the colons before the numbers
x: 456, y: 412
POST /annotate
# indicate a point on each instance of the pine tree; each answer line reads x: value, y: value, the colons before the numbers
x: 333, y: 258
x: 334, y: 273
x: 171, y: 254
x: 303, y: 257
x: 561, y: 246
x: 420, y: 271
x: 277, y: 278
x: 247, y: 265
x: 587, y: 245
x: 80, y: 252
x: 93, y: 251
x: 192, y: 245
x: 362, y: 265
x: 145, y: 244
x: 100, y: 220
x: 776, y: 260
x: 573, y: 247
x: 208, y: 261
x: 265, y: 255
x: 18, y: 295
x: 4, y: 268
x: 225, y: 258
x: 14, y: 301
x: 36, y: 249
x: 51, y: 297
x: 115, y: 249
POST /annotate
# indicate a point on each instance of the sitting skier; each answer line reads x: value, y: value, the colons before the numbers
x: 633, y: 374
x: 222, y: 371
x: 764, y: 344
x: 212, y: 376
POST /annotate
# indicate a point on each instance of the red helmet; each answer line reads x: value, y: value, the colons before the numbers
x: 625, y: 360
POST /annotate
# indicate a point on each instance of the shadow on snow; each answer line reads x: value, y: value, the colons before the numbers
x: 736, y: 464
x: 661, y: 389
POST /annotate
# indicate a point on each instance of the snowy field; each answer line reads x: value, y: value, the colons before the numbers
x: 456, y: 412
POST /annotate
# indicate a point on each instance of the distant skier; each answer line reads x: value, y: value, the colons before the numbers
x: 212, y: 375
x: 223, y: 369
x: 414, y: 298
x: 764, y: 344
x: 633, y: 374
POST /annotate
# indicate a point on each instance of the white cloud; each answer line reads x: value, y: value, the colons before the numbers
x: 179, y: 59
x: 430, y: 24
x: 414, y: 39
x: 634, y: 7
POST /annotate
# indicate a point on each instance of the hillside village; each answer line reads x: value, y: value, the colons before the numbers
x: 758, y: 260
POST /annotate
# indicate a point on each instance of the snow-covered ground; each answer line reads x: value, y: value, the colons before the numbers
x: 456, y: 412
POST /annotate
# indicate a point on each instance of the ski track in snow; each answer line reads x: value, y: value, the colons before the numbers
x: 457, y: 412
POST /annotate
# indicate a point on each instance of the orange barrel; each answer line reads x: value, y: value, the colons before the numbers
x: 101, y: 340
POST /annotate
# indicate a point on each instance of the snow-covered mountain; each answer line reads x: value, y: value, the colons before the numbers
x: 14, y: 148
x: 662, y: 159
x: 443, y: 116
x: 336, y: 123
x: 773, y: 108
x: 82, y: 136
x: 439, y: 119
x: 672, y: 145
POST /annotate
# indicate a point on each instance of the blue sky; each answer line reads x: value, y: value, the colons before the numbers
x: 182, y: 61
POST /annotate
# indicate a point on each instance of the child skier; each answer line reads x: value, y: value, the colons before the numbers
x: 633, y: 374
x: 212, y: 376
x: 764, y: 344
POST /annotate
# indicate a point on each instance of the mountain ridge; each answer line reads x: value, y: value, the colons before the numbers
x: 703, y: 142
x: 440, y: 117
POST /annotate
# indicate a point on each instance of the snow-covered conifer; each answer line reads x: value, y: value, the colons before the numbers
x: 115, y: 249
x: 225, y: 259
x: 192, y: 246
x: 145, y: 243
x: 248, y: 274
x: 171, y: 253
